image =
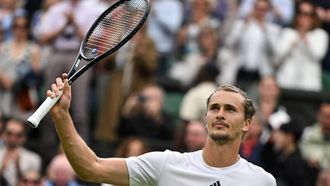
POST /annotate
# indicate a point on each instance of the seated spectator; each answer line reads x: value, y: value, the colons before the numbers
x: 251, y: 147
x: 315, y: 143
x: 271, y: 116
x: 143, y: 116
x: 289, y: 168
x: 300, y: 51
x: 31, y: 178
x: 193, y: 105
x: 193, y: 136
x: 60, y: 172
x: 270, y: 113
x: 14, y: 158
x: 132, y: 146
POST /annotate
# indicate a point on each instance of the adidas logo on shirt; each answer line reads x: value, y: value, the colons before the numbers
x: 216, y: 184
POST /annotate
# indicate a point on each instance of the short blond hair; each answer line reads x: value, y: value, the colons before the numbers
x: 249, y: 108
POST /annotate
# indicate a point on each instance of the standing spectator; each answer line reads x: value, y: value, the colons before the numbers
x: 60, y: 172
x: 200, y: 15
x: 7, y: 10
x: 315, y: 143
x: 226, y: 11
x: 31, y: 178
x: 323, y: 11
x: 20, y: 69
x: 289, y: 167
x: 14, y: 158
x: 143, y: 116
x: 38, y: 19
x: 223, y: 9
x: 253, y: 42
x: 281, y: 11
x: 131, y: 69
x: 194, y: 136
x: 67, y: 22
x: 300, y: 50
x: 165, y: 19
x: 186, y: 71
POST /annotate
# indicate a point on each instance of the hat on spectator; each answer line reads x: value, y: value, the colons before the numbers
x: 292, y: 127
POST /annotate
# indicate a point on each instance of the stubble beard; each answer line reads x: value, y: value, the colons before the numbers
x: 220, y: 139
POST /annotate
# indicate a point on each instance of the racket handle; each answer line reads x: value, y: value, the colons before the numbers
x: 43, y: 109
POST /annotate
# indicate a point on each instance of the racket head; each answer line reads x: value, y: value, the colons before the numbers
x: 113, y: 28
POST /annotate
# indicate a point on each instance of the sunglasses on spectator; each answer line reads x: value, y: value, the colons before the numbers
x: 22, y: 27
x: 16, y: 134
x: 31, y: 181
x: 306, y: 13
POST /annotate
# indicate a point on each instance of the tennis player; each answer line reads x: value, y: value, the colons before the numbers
x: 228, y: 117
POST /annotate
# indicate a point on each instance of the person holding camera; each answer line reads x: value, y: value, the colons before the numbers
x: 143, y: 116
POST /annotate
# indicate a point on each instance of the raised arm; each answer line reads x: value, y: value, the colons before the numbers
x: 84, y: 161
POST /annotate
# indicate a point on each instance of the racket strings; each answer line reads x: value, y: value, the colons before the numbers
x: 114, y: 27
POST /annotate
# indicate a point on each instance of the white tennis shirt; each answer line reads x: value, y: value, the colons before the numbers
x: 171, y: 168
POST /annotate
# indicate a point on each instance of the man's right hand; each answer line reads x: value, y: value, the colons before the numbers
x: 63, y: 105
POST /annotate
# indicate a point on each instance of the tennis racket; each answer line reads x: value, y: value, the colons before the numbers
x: 111, y: 30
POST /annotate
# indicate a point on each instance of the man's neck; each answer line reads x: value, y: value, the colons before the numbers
x: 216, y: 155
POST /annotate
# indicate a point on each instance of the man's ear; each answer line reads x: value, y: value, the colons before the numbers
x: 246, y: 125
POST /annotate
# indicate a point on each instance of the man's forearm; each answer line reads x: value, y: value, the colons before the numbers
x: 80, y: 156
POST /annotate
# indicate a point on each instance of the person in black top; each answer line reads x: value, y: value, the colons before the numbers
x: 143, y: 116
x: 289, y: 168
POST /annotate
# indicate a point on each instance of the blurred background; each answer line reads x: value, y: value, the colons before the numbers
x: 151, y: 94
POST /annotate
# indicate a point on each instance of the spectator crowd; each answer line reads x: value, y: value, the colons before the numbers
x: 150, y: 95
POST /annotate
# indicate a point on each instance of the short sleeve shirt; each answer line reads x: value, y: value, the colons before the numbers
x: 177, y: 169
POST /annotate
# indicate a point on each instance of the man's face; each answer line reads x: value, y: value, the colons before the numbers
x: 225, y: 117
x: 14, y: 134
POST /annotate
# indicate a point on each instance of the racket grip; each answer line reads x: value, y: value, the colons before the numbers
x: 43, y: 109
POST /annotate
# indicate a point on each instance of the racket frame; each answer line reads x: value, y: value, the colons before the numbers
x: 74, y: 73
